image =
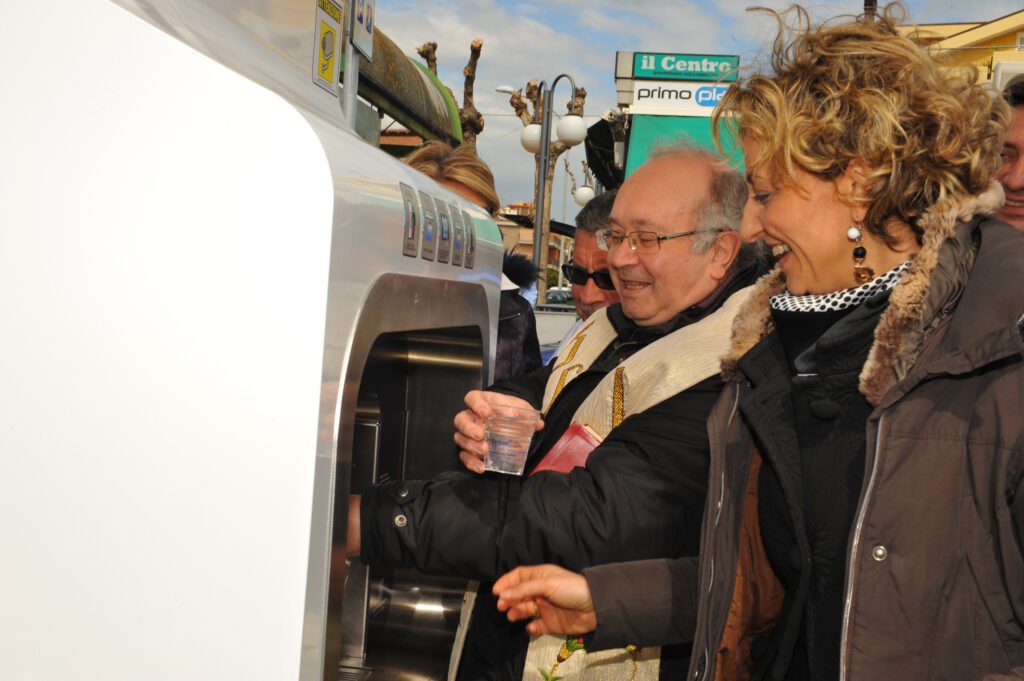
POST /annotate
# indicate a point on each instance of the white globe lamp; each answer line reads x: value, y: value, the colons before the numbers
x: 583, y: 195
x: 571, y: 129
x: 530, y: 139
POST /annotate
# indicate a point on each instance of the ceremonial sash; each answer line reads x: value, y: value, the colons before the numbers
x: 651, y: 375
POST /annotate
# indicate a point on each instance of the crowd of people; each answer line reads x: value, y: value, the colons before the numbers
x: 807, y: 384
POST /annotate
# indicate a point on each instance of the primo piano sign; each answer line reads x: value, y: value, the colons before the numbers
x: 656, y: 66
x: 687, y: 98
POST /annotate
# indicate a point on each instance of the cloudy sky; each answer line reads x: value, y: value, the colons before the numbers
x: 529, y: 39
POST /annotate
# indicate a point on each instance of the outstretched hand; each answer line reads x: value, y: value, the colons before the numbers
x: 558, y: 598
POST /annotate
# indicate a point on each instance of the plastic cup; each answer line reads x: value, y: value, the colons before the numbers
x: 509, y: 431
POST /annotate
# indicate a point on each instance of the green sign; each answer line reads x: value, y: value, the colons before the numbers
x: 646, y: 132
x: 656, y: 66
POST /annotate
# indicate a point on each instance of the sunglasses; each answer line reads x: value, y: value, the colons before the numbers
x: 578, y: 275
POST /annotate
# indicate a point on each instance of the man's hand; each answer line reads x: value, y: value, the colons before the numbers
x: 559, y: 598
x: 470, y: 425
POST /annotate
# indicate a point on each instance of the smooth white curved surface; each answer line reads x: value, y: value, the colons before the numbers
x: 163, y: 285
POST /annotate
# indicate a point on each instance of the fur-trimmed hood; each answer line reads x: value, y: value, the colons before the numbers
x: 914, y: 305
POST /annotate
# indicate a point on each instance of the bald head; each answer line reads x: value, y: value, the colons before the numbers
x: 671, y: 196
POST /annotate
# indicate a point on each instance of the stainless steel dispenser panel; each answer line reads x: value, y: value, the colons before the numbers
x: 429, y: 227
x: 458, y: 236
x: 411, y: 243
x: 444, y: 231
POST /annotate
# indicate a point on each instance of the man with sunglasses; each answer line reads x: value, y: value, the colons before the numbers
x: 642, y: 376
x: 592, y: 286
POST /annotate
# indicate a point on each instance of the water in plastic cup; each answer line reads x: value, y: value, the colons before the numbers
x: 509, y: 431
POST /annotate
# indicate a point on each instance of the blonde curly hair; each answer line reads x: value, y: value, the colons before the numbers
x: 858, y: 90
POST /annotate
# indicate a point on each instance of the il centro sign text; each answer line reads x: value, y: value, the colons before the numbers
x: 676, y: 99
x: 657, y: 66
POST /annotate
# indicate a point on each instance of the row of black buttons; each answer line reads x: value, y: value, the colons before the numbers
x: 447, y: 232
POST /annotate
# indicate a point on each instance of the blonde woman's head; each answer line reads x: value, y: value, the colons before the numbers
x: 858, y: 90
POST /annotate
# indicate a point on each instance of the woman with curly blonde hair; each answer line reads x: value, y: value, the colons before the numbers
x: 865, y: 513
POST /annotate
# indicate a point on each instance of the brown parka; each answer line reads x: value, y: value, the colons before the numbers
x: 935, y: 566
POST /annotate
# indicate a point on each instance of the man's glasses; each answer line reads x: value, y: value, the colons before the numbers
x: 640, y: 242
x: 579, y: 276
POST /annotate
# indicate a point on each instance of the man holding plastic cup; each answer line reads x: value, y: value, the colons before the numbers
x: 618, y: 467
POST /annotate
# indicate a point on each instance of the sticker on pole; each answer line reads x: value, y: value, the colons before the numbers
x: 362, y: 31
x: 326, y: 57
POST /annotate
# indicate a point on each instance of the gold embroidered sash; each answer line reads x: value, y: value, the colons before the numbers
x: 578, y: 353
x: 662, y: 369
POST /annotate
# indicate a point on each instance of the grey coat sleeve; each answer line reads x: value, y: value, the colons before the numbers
x: 647, y: 602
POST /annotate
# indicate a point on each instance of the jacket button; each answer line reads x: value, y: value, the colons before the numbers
x: 403, y: 491
x: 400, y: 520
x: 879, y: 553
x: 824, y: 410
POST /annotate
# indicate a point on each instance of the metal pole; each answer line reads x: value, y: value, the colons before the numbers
x: 540, y: 221
x: 561, y: 239
x: 561, y: 260
x: 542, y: 173
x: 351, y: 77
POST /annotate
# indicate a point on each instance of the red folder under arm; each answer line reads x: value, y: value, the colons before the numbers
x: 571, y: 450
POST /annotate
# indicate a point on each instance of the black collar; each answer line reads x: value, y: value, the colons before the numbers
x: 737, y: 278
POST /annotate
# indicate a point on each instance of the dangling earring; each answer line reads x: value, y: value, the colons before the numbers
x: 861, y: 272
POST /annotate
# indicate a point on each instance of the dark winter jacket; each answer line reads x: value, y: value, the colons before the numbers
x: 518, y: 350
x: 934, y: 578
x: 641, y: 493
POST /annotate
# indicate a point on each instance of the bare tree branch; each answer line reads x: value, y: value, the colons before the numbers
x: 470, y: 71
x: 520, y: 106
x: 429, y: 52
x: 471, y: 120
x: 576, y: 105
x: 533, y: 94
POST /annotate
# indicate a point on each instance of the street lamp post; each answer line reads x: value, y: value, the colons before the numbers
x: 536, y: 138
x: 571, y: 131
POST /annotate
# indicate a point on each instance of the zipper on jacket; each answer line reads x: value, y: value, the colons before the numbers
x: 703, y: 663
x: 855, y: 551
x: 728, y: 429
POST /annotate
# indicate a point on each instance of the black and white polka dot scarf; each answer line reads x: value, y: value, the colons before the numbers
x: 839, y: 300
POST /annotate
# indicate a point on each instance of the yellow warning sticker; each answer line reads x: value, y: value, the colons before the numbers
x: 327, y: 42
x: 330, y: 8
x: 327, y: 36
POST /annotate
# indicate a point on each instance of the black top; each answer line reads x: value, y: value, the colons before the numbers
x: 495, y: 649
x: 825, y: 352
